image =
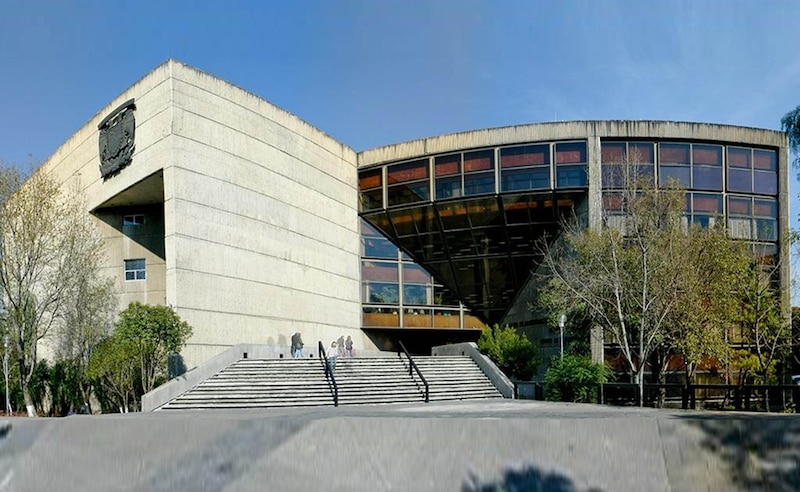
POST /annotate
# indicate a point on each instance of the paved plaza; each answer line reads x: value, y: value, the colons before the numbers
x: 459, y: 446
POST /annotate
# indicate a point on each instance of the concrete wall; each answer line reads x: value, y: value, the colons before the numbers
x: 76, y: 164
x: 261, y: 226
x: 252, y: 230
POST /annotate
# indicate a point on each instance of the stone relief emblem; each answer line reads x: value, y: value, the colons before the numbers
x: 116, y: 139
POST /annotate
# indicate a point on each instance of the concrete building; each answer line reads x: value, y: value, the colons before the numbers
x: 254, y: 225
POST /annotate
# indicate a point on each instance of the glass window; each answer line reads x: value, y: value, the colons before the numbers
x: 766, y: 160
x: 368, y: 180
x: 766, y: 229
x: 571, y: 176
x: 529, y: 155
x: 408, y: 193
x: 765, y: 182
x: 571, y: 153
x: 416, y: 294
x: 672, y: 153
x: 641, y: 152
x: 374, y: 244
x: 739, y: 206
x: 739, y: 157
x: 526, y: 179
x: 448, y: 165
x: 478, y: 183
x: 765, y: 208
x: 679, y: 176
x: 371, y: 200
x: 478, y: 161
x: 448, y: 187
x: 133, y: 220
x: 135, y: 269
x: 707, y: 203
x: 740, y: 180
x: 706, y: 155
x: 408, y: 171
x: 707, y: 178
x: 379, y: 271
x: 613, y: 152
x: 414, y: 273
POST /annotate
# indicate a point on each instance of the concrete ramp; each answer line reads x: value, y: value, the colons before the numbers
x: 460, y: 446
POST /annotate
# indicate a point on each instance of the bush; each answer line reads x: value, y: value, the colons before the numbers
x: 513, y: 353
x: 574, y: 378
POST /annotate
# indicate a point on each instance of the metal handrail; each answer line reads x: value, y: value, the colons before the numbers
x: 328, y: 374
x: 413, y: 366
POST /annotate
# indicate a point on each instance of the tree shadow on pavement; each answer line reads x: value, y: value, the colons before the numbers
x: 528, y: 478
x: 762, y: 452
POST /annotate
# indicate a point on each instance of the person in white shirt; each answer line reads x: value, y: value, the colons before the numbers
x: 332, y: 353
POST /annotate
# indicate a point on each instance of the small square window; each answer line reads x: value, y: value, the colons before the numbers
x: 133, y: 220
x: 135, y: 270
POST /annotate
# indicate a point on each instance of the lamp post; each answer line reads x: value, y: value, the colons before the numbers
x: 5, y: 371
x: 562, y: 320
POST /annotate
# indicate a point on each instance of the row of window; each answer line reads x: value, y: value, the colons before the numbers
x: 691, y: 166
x: 750, y: 218
x: 472, y: 173
x: 545, y: 166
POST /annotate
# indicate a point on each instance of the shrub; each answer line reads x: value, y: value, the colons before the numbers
x: 513, y: 353
x: 574, y: 378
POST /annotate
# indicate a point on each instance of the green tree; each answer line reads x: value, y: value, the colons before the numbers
x: 790, y: 123
x: 513, y: 353
x: 654, y: 283
x: 763, y: 328
x: 574, y: 378
x: 154, y: 332
x: 114, y: 368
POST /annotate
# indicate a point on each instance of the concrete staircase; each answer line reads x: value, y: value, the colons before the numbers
x: 265, y: 383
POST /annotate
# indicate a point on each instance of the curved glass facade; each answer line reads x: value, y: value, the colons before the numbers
x: 473, y: 217
x: 721, y: 181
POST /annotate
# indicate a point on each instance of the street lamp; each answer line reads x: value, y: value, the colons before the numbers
x: 5, y: 371
x: 562, y: 320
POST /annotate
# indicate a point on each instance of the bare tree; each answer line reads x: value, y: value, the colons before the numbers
x: 49, y: 247
x: 656, y: 284
x: 622, y: 274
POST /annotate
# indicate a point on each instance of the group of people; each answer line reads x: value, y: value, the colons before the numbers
x: 339, y: 348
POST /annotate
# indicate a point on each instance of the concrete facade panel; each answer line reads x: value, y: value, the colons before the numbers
x: 235, y: 232
x: 236, y: 95
x: 268, y: 218
x: 212, y: 168
x: 302, y: 167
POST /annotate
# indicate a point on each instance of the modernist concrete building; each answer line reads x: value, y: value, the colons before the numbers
x: 254, y: 225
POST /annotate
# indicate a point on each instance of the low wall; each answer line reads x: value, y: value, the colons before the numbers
x: 495, y: 375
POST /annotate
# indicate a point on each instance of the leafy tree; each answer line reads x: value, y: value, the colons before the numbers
x: 513, y: 353
x: 623, y: 274
x: 114, y: 369
x: 574, y: 378
x: 763, y: 328
x: 49, y: 245
x: 655, y: 284
x: 790, y: 123
x: 153, y: 332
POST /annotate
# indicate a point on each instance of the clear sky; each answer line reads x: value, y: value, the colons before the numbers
x: 374, y: 72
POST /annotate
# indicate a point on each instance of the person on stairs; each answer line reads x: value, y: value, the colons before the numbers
x: 332, y: 353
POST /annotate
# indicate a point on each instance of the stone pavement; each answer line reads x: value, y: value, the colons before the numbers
x: 467, y: 446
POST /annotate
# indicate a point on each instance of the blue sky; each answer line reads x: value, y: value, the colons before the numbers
x: 374, y: 72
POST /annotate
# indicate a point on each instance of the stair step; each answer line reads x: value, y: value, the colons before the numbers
x: 265, y: 383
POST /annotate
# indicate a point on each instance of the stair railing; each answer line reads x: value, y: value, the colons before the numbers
x: 328, y: 374
x: 412, y: 366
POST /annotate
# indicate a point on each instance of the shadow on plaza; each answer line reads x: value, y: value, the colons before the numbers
x: 528, y: 478
x: 761, y: 452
